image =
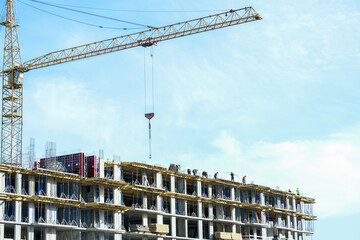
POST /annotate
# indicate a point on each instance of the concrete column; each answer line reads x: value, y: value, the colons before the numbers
x: 302, y: 207
x: 209, y: 190
x: 2, y: 181
x: 102, y: 194
x: 172, y: 183
x: 294, y: 204
x: 278, y: 219
x: 18, y: 183
x: 278, y: 202
x: 31, y: 210
x: 173, y: 226
x: 232, y: 194
x: 30, y: 233
x: 117, y: 220
x: 117, y: 196
x: 117, y: 236
x: 303, y: 224
x: 200, y: 229
x: 48, y: 186
x: 145, y: 219
x: 185, y: 187
x: 211, y: 230
x: 31, y: 190
x: 17, y: 215
x: 200, y: 210
x: 233, y: 213
x: 210, y: 214
x: 263, y: 233
x: 255, y: 233
x: 263, y: 217
x: 17, y: 232
x: 159, y: 202
x: 101, y: 168
x: 289, y: 235
x: 172, y: 205
x: 117, y: 172
x: 186, y: 229
x: 198, y: 188
x: 50, y: 233
x: 303, y: 236
x: 296, y: 237
x: 101, y: 236
x: 159, y: 180
x: 288, y: 221
x: 295, y: 222
x: 102, y: 218
x: 253, y: 199
x: 145, y: 200
x: 287, y: 203
x: 185, y: 207
x: 262, y: 199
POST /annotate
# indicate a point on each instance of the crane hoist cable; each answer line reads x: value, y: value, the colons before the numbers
x: 77, y: 21
x: 149, y: 115
x: 91, y: 14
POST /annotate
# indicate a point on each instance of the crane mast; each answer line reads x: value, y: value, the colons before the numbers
x: 13, y: 69
x: 12, y: 92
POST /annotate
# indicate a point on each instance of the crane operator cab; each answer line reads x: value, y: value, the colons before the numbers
x: 16, y: 78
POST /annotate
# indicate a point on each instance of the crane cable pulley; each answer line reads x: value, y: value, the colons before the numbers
x: 149, y: 115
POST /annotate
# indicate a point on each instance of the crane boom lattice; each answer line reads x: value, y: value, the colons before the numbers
x: 146, y: 38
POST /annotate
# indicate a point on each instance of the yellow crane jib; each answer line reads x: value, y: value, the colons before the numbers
x: 13, y: 69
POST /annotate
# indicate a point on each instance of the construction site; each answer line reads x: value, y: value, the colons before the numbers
x: 78, y: 196
x: 129, y: 200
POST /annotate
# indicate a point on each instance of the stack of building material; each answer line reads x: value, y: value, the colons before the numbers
x: 159, y: 228
x: 138, y: 228
x: 236, y: 236
x: 223, y: 235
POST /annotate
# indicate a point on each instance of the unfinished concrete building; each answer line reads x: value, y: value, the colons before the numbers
x: 128, y: 200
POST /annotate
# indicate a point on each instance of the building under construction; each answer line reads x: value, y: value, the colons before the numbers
x: 129, y: 200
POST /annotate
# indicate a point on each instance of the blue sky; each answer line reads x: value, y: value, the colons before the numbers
x: 274, y: 99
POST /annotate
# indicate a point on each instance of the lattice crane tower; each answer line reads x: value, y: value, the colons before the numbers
x: 13, y: 69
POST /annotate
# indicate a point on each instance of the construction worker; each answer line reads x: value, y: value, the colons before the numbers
x: 195, y: 172
x: 232, y: 176
x: 204, y: 174
x: 215, y: 175
x: 244, y: 179
x: 189, y: 171
x: 297, y: 192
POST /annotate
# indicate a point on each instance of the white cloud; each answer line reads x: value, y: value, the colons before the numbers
x: 326, y: 169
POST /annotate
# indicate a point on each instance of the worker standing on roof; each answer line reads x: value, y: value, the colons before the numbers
x: 232, y: 176
x: 297, y: 191
x: 244, y: 179
x: 189, y: 171
x: 215, y: 175
x: 195, y: 172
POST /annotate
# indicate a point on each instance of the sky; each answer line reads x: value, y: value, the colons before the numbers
x: 274, y: 99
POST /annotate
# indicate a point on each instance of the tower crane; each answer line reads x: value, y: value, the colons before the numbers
x: 13, y: 68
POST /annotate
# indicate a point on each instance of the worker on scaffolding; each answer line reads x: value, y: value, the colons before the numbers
x: 297, y: 191
x: 244, y: 180
x: 232, y: 176
x: 216, y: 174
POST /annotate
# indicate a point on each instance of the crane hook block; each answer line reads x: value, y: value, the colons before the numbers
x: 149, y: 115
